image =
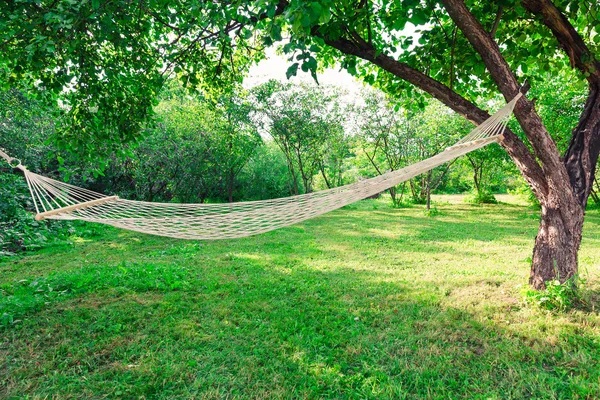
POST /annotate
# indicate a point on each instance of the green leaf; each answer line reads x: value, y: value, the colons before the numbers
x: 315, y: 10
x: 419, y: 17
x: 292, y: 70
x: 399, y: 24
x: 325, y: 16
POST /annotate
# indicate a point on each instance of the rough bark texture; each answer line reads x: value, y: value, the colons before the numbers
x: 556, y: 247
x: 559, y: 237
x: 582, y: 155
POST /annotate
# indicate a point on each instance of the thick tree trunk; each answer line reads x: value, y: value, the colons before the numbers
x: 559, y: 237
x: 569, y: 179
x: 556, y: 247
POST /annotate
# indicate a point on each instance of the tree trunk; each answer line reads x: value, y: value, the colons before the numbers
x: 594, y: 196
x: 428, y: 195
x: 569, y: 178
x: 324, y: 175
x: 556, y: 247
x: 230, y: 181
x: 559, y: 237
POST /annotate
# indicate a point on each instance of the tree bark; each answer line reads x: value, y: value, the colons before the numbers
x: 556, y: 247
x: 582, y: 155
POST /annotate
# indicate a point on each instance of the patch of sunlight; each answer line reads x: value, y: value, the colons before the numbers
x: 384, y: 233
x: 186, y: 329
x: 118, y: 246
x: 353, y: 232
x: 321, y: 369
x: 283, y: 270
x: 337, y: 247
x: 298, y: 355
x: 79, y: 239
x: 249, y: 256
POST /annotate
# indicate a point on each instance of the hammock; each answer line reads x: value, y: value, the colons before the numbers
x: 58, y: 200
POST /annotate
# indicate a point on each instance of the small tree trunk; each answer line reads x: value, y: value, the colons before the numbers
x: 556, y: 247
x: 324, y: 175
x: 392, y: 191
x: 594, y: 196
x: 428, y: 195
x: 230, y: 181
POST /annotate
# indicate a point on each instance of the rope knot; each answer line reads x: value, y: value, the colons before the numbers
x: 13, y: 162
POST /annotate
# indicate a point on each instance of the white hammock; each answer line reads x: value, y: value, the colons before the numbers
x: 57, y: 200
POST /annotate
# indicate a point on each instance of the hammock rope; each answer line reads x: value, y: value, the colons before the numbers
x: 58, y: 200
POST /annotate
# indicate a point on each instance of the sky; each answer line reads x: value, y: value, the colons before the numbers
x: 275, y: 66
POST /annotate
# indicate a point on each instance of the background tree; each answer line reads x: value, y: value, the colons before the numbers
x: 238, y: 133
x: 304, y: 122
x: 431, y: 132
x: 384, y: 139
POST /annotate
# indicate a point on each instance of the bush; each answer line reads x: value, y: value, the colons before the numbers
x: 19, y: 230
x: 481, y: 197
x: 557, y: 296
x: 432, y: 212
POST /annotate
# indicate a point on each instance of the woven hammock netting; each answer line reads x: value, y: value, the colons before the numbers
x: 58, y: 200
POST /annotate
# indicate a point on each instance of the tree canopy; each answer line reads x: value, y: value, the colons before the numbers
x: 105, y: 61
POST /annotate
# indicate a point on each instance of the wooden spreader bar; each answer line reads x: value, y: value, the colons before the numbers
x: 74, y: 207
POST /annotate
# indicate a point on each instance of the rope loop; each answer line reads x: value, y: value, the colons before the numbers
x: 11, y: 161
x: 14, y: 163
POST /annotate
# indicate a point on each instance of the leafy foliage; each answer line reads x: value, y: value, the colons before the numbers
x: 19, y: 231
x: 558, y: 297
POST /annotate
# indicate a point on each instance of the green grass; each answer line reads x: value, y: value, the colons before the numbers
x: 365, y: 302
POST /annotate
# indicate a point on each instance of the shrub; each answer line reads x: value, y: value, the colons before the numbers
x: 481, y: 197
x: 19, y: 230
x: 557, y: 296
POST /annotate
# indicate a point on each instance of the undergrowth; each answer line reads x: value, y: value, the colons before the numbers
x: 559, y: 297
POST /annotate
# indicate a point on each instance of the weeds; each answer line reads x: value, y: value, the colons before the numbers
x: 558, y: 297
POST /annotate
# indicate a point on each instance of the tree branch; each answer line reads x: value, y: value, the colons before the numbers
x: 543, y: 145
x: 572, y: 43
x: 523, y: 158
x: 497, y: 21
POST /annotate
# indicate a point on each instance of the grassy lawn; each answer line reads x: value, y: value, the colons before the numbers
x: 365, y: 302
